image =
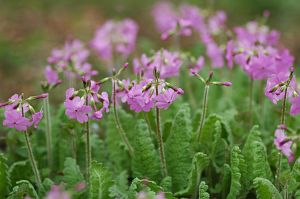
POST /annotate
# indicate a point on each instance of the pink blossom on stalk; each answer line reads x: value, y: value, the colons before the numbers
x: 105, y: 101
x: 122, y: 93
x: 167, y: 63
x: 295, y: 108
x: 139, y: 100
x: 14, y: 119
x: 283, y: 144
x: 76, y: 109
x: 278, y: 94
x: 36, y: 118
x: 51, y: 76
x: 57, y: 193
x: 198, y: 66
x: 165, y: 99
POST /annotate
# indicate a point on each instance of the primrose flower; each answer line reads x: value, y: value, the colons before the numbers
x: 57, y: 193
x: 283, y: 144
x: 71, y: 60
x: 165, y: 99
x: 195, y: 68
x: 76, y: 109
x: 166, y: 62
x: 295, y: 108
x: 115, y: 37
x: 17, y: 110
x: 14, y: 119
x: 275, y: 87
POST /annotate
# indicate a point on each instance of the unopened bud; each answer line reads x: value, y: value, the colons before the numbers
x: 295, y: 94
x: 226, y: 83
x: 126, y: 65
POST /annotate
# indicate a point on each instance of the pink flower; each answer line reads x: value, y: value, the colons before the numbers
x: 281, y: 142
x: 76, y: 109
x: 70, y: 93
x: 57, y: 193
x: 51, y: 76
x: 229, y: 53
x: 160, y: 195
x: 295, y: 108
x: 165, y: 99
x: 273, y: 81
x: 139, y: 100
x: 36, y: 118
x: 14, y: 119
x: 198, y: 66
x: 115, y: 37
x: 215, y: 53
x: 105, y: 101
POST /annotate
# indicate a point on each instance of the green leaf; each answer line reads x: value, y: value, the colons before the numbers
x: 4, y: 177
x: 265, y: 189
x: 200, y: 161
x: 294, y: 181
x: 101, y: 181
x: 178, y: 149
x: 147, y: 186
x: 145, y: 162
x: 120, y: 188
x: 203, y: 194
x: 72, y: 173
x: 23, y: 188
x: 235, y: 186
x: 115, y: 146
x: 19, y: 170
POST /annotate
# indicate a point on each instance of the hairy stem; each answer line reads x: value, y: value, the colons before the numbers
x: 48, y: 132
x: 32, y: 161
x: 204, y: 110
x: 88, y: 151
x: 251, y: 84
x: 118, y: 123
x: 160, y: 139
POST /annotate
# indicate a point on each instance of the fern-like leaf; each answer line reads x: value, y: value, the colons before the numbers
x: 19, y: 170
x: 178, y: 149
x: 235, y: 186
x: 203, y: 194
x: 265, y: 189
x: 72, y: 173
x: 101, y: 181
x: 4, y: 177
x: 145, y: 162
x: 200, y: 161
x: 23, y: 188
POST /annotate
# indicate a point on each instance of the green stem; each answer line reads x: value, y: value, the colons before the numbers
x: 88, y: 151
x: 32, y: 161
x: 118, y: 123
x: 204, y: 110
x: 251, y: 100
x: 48, y: 132
x: 160, y: 138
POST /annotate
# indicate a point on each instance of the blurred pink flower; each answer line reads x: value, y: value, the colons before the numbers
x: 14, y: 119
x: 36, y: 118
x: 57, y: 193
x: 295, y: 108
x: 281, y: 142
x: 165, y: 99
x: 51, y: 76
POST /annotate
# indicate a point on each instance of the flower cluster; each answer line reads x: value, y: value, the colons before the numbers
x: 258, y: 52
x: 85, y: 106
x: 167, y: 63
x: 147, y: 94
x: 115, y: 38
x: 70, y: 60
x: 19, y: 114
x: 190, y: 18
x: 283, y: 143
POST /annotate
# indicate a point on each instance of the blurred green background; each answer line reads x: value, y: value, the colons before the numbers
x: 30, y: 29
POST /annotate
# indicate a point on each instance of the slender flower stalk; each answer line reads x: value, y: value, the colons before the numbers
x: 48, y: 132
x: 282, y: 122
x: 251, y: 84
x: 204, y: 110
x: 207, y: 84
x: 88, y: 151
x: 159, y: 136
x: 31, y: 156
x: 118, y: 123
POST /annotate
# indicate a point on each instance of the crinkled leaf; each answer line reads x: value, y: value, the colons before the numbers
x: 72, y: 173
x: 265, y: 189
